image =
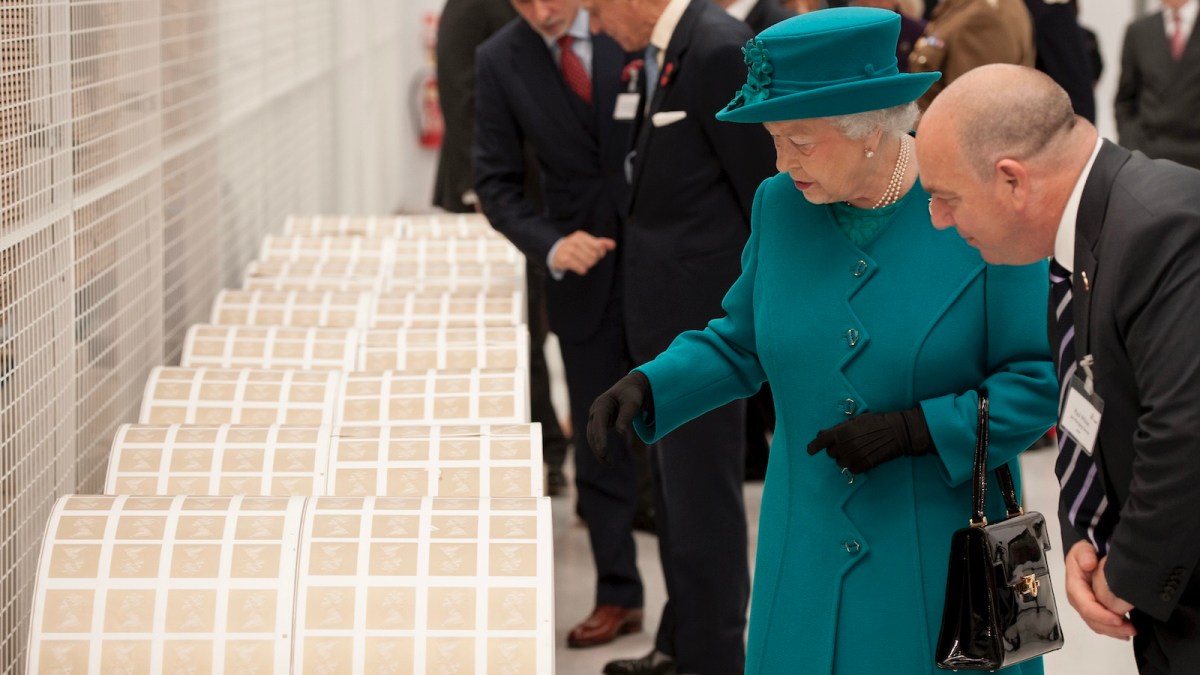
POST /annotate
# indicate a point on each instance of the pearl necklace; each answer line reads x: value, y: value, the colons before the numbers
x: 892, y: 194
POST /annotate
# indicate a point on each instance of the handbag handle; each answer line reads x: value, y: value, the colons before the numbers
x: 1003, y: 474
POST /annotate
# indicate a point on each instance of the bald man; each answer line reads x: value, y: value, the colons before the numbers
x: 1022, y: 178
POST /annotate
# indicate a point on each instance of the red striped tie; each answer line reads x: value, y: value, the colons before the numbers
x: 1177, y: 43
x: 573, y: 70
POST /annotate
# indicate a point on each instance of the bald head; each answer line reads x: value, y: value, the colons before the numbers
x: 1000, y: 151
x: 1002, y: 110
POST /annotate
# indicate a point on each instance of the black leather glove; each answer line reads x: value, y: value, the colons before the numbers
x: 871, y: 439
x: 616, y: 408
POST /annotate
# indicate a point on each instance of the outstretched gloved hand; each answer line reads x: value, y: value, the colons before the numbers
x: 871, y: 439
x: 615, y: 409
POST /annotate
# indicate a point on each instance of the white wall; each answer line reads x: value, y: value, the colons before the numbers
x: 1108, y: 18
x: 417, y: 164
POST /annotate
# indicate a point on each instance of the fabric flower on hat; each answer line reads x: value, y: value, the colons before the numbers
x: 758, y: 75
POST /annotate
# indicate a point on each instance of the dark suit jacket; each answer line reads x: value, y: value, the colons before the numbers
x: 1158, y: 99
x: 463, y: 26
x: 1062, y: 52
x: 767, y: 13
x: 1138, y: 242
x: 693, y: 185
x: 522, y: 97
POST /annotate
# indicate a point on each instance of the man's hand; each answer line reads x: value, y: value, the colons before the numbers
x: 579, y: 252
x: 615, y: 409
x: 1105, y: 595
x: 1083, y: 573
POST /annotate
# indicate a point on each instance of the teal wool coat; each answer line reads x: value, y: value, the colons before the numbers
x: 850, y: 575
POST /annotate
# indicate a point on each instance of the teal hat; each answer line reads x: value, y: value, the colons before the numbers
x: 829, y: 62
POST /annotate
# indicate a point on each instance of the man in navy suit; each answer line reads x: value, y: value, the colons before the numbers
x: 544, y: 79
x: 758, y: 14
x: 693, y: 183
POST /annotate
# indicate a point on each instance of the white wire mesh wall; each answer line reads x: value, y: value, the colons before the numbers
x: 145, y: 148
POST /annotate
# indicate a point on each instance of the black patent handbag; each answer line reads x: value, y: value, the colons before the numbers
x: 1000, y: 607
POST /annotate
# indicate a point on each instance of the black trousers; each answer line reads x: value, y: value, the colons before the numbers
x: 608, y: 494
x: 554, y: 443
x: 702, y: 540
x: 1169, y: 647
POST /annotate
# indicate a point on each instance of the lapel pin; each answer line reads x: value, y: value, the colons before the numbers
x: 1086, y: 283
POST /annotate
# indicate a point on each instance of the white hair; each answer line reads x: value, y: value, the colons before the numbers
x: 913, y: 8
x: 895, y: 121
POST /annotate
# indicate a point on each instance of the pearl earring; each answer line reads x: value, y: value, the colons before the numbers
x: 869, y: 153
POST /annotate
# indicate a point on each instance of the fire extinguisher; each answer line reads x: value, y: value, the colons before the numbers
x: 427, y: 109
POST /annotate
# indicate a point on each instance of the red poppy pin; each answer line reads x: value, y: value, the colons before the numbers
x: 667, y: 74
x: 631, y: 69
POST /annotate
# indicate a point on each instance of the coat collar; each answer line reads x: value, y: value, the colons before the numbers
x: 1089, y: 228
x: 681, y: 39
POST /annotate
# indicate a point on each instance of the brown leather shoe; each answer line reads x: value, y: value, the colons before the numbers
x: 604, y: 625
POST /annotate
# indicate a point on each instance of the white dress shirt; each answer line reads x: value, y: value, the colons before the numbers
x: 1064, y: 240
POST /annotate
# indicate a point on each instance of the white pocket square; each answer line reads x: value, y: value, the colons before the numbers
x: 662, y: 119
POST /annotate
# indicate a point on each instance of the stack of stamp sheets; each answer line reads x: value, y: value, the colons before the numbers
x: 340, y: 477
x: 367, y: 309
x: 422, y: 226
x: 453, y: 348
x: 304, y: 397
x: 285, y: 585
x: 373, y: 262
x: 465, y: 460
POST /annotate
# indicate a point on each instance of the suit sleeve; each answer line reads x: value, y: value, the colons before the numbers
x: 499, y: 159
x: 459, y: 32
x: 1155, y: 547
x: 1129, y: 86
x: 1020, y: 380
x: 1063, y: 54
x: 705, y: 369
x: 746, y: 152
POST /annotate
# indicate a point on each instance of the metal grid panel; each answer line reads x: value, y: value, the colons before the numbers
x: 37, y: 425
x: 145, y: 148
x: 191, y: 178
x: 118, y: 324
x: 35, y: 159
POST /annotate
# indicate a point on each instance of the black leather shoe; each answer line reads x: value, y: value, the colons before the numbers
x: 654, y: 663
x: 556, y: 482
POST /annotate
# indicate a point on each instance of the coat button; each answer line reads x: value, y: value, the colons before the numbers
x: 849, y: 406
x: 852, y: 336
x: 859, y: 269
x: 1165, y: 597
x: 852, y: 547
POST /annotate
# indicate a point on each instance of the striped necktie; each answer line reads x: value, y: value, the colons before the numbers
x: 1081, y: 492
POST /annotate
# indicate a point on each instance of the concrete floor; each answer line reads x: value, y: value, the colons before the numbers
x: 1084, y: 653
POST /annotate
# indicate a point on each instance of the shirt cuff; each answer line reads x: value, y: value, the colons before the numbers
x: 555, y: 273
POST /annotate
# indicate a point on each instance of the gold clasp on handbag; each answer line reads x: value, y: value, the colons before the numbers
x: 1028, y: 585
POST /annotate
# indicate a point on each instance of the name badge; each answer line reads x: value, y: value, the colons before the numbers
x: 627, y: 106
x: 1081, y: 415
